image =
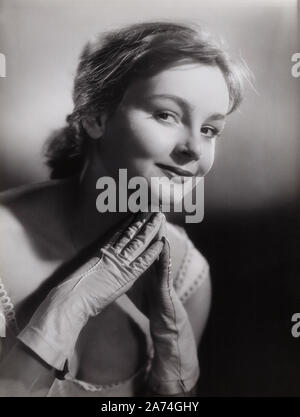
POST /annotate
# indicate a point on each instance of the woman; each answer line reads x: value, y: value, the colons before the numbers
x: 91, y: 297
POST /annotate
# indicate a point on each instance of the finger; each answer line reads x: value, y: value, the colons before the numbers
x: 148, y: 256
x: 162, y: 231
x: 163, y: 264
x: 116, y: 236
x: 128, y: 233
x: 143, y: 237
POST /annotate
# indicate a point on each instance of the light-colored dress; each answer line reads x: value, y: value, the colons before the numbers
x: 192, y: 272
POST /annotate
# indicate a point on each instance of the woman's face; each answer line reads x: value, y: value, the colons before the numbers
x: 166, y: 126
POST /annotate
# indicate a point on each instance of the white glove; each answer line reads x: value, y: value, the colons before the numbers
x: 55, y: 326
x: 175, y: 366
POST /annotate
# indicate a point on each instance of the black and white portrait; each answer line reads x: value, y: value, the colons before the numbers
x: 149, y: 206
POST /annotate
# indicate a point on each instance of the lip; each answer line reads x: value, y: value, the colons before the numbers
x: 175, y: 171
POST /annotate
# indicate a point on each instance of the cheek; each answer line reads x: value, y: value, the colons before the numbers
x: 146, y: 136
x: 207, y: 159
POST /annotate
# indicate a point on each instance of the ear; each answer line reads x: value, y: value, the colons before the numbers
x: 93, y: 126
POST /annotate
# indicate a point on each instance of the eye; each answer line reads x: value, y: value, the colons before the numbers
x: 210, y: 131
x: 166, y: 116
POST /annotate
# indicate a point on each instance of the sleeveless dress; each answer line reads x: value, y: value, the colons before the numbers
x: 192, y: 272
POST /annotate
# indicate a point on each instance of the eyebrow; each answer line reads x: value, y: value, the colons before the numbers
x: 184, y: 104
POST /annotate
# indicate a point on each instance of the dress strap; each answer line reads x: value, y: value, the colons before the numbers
x: 7, y: 312
x: 193, y: 271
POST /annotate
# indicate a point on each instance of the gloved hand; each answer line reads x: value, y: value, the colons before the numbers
x: 55, y: 326
x: 175, y: 366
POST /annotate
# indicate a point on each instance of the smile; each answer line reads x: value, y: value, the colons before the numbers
x: 175, y: 174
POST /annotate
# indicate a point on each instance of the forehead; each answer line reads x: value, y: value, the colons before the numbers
x: 203, y: 87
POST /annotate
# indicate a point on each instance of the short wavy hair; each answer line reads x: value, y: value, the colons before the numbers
x: 112, y: 60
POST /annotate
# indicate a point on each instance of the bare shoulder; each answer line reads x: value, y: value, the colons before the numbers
x: 13, y: 245
x: 23, y: 210
x: 26, y: 230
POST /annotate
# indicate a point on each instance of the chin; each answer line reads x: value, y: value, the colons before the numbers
x: 169, y: 197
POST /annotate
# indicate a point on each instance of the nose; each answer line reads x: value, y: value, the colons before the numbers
x: 188, y: 150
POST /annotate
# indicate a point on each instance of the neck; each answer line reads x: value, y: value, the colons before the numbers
x: 87, y: 223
